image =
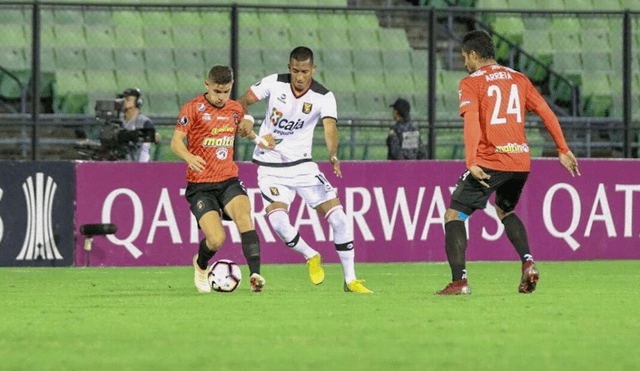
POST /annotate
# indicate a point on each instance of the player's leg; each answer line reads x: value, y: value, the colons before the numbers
x: 507, y: 197
x: 238, y: 208
x: 211, y: 226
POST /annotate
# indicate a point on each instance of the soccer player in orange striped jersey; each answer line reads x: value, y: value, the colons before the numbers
x: 493, y: 100
x: 209, y: 123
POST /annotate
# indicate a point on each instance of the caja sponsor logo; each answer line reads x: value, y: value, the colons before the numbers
x: 282, y: 123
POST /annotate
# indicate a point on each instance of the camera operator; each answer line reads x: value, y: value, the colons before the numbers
x: 133, y: 120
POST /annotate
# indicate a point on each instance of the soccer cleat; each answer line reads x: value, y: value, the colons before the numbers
x: 457, y: 287
x: 356, y: 286
x: 316, y: 273
x: 530, y: 277
x: 257, y: 282
x: 200, y: 277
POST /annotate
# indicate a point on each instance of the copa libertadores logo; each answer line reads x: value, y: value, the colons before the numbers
x: 39, y: 242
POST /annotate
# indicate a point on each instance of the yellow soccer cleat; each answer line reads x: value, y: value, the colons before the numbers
x: 356, y: 286
x: 316, y: 273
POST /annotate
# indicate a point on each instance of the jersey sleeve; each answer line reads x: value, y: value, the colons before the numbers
x: 468, y: 98
x: 185, y: 119
x: 329, y: 108
x: 262, y: 89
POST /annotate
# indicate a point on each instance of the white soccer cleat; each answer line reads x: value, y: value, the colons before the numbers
x: 200, y: 277
x: 257, y: 282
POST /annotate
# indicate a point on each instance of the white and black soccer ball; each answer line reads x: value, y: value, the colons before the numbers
x: 224, y: 276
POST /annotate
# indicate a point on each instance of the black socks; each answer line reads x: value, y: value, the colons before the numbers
x: 204, y: 254
x: 455, y: 245
x: 251, y: 250
x: 517, y: 235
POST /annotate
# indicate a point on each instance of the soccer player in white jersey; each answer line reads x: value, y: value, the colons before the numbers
x: 296, y: 103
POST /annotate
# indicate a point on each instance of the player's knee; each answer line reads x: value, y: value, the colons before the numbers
x: 451, y: 215
x: 215, y: 242
x: 340, y: 225
x: 279, y: 220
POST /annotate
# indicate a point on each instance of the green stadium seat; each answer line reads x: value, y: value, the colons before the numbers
x: 213, y: 56
x: 372, y: 105
x: 397, y: 60
x: 368, y: 61
x: 550, y: 4
x: 536, y: 71
x: 132, y: 79
x: 400, y: 82
x: 129, y: 58
x: 129, y: 36
x: 365, y: 39
x: 47, y: 16
x: 629, y: 4
x: 70, y: 58
x: 186, y: 36
x: 306, y: 37
x: 273, y: 19
x: 394, y: 38
x: 9, y: 88
x: 419, y: 60
x: 510, y: 26
x: 536, y: 42
x: 565, y: 41
x: 246, y: 78
x: 12, y: 16
x: 334, y: 38
x: 189, y: 59
x: 597, y: 22
x: 597, y: 62
x: 70, y: 81
x: 346, y: 103
x: 127, y: 18
x: 249, y: 37
x: 164, y: 104
x: 536, y: 22
x: 69, y: 35
x: 450, y: 81
x: 220, y: 19
x: 47, y: 58
x: 419, y: 106
x: 158, y: 58
x: 102, y: 81
x: 12, y: 58
x: 299, y: 21
x: 100, y: 58
x: 333, y: 21
x: 566, y: 24
x: 47, y: 36
x: 277, y: 59
x: 215, y: 37
x: 421, y: 80
x: 156, y: 17
x: 250, y: 59
x: 567, y: 63
x: 366, y: 20
x: 97, y: 16
x: 560, y: 89
x: 369, y: 81
x: 337, y: 60
x: 164, y: 80
x: 185, y: 18
x: 578, y: 5
x: 157, y: 37
x: 492, y: 4
x: 190, y: 81
x: 69, y: 16
x: 597, y: 90
x: 275, y: 37
x: 595, y: 40
x: 101, y: 36
x: 339, y: 81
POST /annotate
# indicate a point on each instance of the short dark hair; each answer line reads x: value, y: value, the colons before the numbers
x: 480, y: 42
x: 301, y: 54
x: 220, y: 75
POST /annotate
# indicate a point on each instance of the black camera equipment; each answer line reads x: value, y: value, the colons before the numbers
x: 115, y: 141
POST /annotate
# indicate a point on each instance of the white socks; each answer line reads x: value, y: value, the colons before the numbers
x: 279, y: 220
x: 343, y: 239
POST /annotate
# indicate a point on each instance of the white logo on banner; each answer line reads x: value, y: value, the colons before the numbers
x: 39, y: 241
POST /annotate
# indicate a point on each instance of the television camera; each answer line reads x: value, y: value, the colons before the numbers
x: 114, y: 140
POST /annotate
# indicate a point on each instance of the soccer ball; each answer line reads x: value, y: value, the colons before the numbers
x: 224, y: 276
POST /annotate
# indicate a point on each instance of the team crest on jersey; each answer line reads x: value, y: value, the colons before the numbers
x: 200, y: 205
x: 201, y: 107
x: 206, y: 117
x: 306, y: 107
x: 222, y: 153
x: 183, y: 120
x: 275, y: 116
x: 274, y: 191
x: 236, y: 118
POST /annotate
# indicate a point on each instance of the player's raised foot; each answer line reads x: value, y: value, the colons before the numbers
x: 316, y: 273
x: 356, y: 286
x: 530, y: 277
x: 257, y: 282
x: 200, y: 277
x: 458, y: 287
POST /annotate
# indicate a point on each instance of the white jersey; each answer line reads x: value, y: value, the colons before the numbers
x: 290, y: 119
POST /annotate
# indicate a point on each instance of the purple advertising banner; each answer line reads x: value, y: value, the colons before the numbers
x: 396, y: 211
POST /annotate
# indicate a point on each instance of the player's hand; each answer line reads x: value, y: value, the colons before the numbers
x: 271, y: 142
x: 245, y: 128
x: 479, y: 175
x: 336, y: 166
x: 568, y: 160
x: 196, y: 163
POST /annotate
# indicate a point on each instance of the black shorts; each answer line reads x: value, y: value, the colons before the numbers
x: 205, y: 197
x: 470, y: 195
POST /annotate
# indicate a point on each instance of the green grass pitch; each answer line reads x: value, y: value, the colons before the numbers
x: 584, y: 316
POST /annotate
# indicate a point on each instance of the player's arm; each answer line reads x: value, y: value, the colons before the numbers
x: 472, y: 134
x: 246, y: 126
x: 265, y: 142
x: 331, y: 138
x: 196, y: 163
x: 540, y: 106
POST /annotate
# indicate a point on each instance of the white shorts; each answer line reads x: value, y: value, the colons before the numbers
x: 282, y: 183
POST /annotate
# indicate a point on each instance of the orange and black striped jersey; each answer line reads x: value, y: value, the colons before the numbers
x: 501, y: 97
x: 211, y: 134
